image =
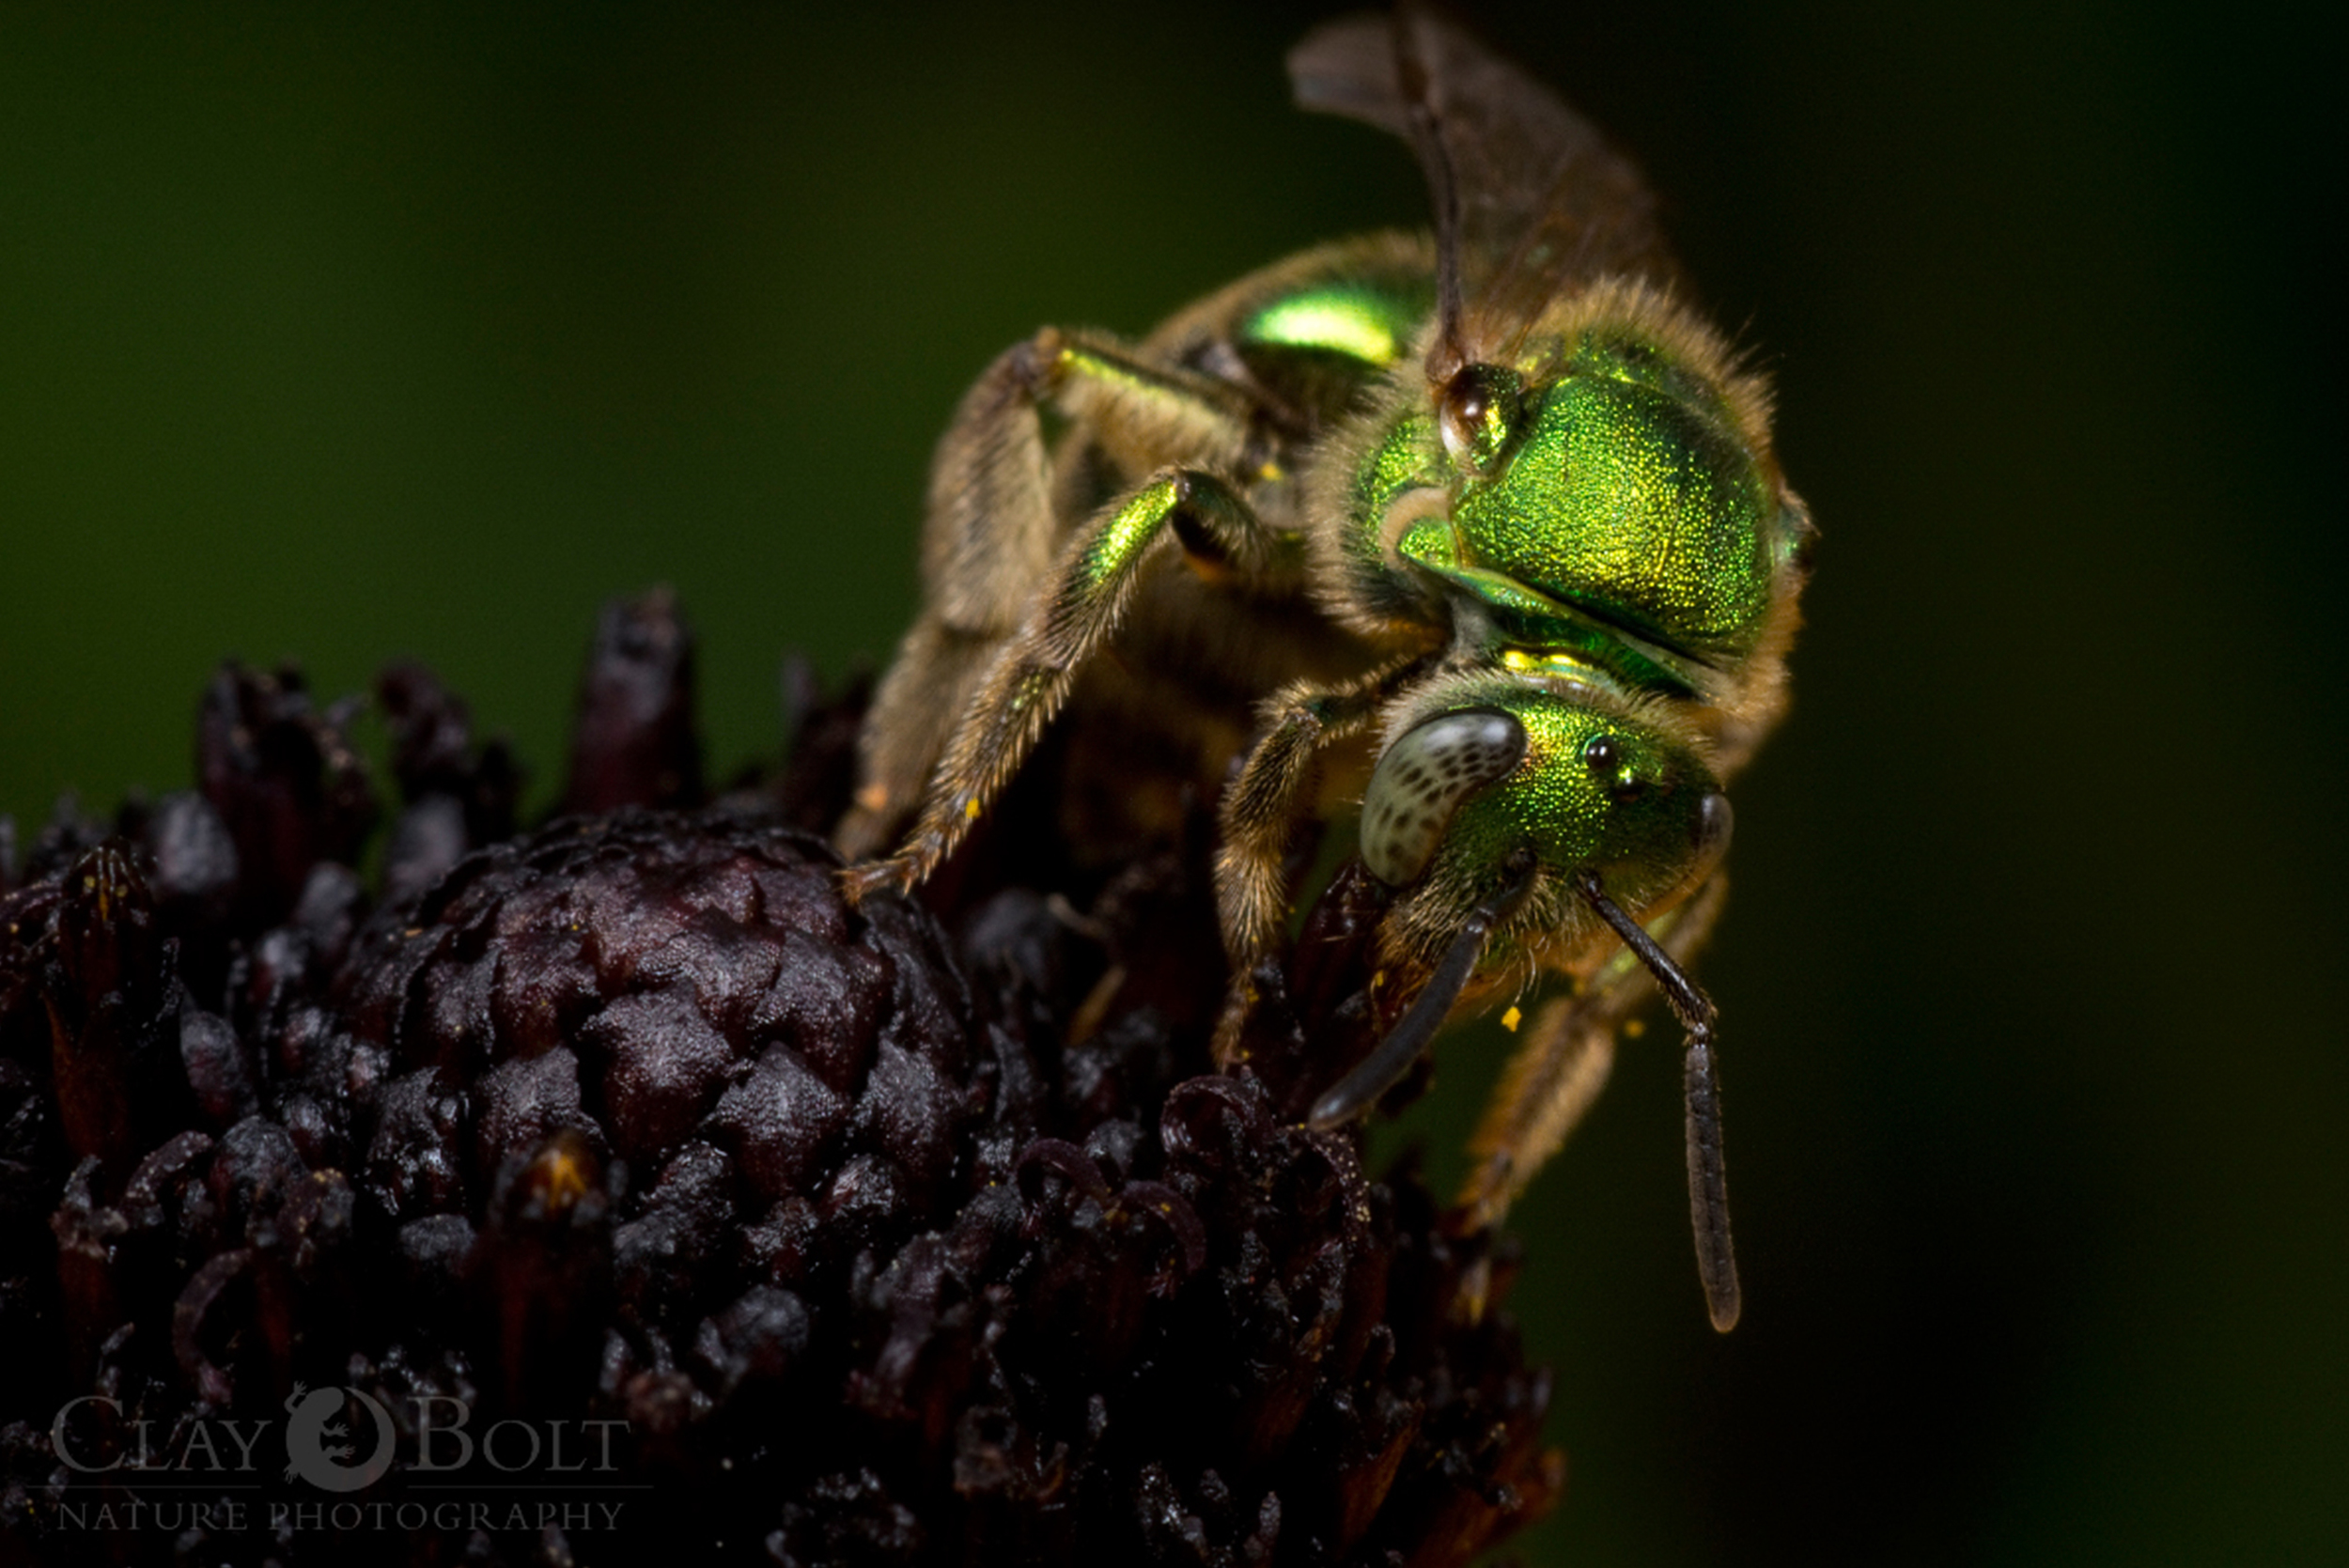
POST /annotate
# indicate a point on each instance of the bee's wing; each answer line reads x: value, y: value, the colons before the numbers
x: 1544, y: 202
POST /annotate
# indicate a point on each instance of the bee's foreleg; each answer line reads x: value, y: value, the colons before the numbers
x: 1567, y: 1053
x: 1263, y: 807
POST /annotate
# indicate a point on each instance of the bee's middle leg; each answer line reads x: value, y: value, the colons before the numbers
x: 1030, y: 676
x: 937, y: 667
x: 990, y: 535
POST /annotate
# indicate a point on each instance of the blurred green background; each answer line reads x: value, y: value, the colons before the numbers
x: 336, y: 334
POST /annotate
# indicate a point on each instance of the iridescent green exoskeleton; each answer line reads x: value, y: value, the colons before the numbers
x: 1480, y: 530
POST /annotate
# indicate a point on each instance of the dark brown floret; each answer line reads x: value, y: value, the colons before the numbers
x: 871, y: 1241
x: 636, y: 741
x: 288, y: 789
x: 459, y: 796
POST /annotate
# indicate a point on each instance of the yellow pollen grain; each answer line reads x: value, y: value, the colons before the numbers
x: 1634, y: 1027
x: 561, y: 1180
x: 971, y: 809
x: 1510, y: 1019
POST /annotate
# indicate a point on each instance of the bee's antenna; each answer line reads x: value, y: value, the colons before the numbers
x: 1446, y: 357
x: 1378, y: 1072
x: 1701, y: 1085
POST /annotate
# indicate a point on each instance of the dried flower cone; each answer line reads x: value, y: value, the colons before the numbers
x: 885, y: 1242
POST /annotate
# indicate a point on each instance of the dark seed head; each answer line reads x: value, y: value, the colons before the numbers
x: 877, y: 1244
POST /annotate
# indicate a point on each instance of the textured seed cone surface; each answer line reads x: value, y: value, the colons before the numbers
x: 613, y: 1193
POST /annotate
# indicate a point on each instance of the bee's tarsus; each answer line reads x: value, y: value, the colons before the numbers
x: 861, y: 882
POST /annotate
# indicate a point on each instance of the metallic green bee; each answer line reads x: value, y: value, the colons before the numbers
x: 1489, y: 517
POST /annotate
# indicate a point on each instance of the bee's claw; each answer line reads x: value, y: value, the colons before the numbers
x: 861, y: 882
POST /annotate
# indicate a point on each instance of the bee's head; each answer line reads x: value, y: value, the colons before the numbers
x: 1544, y: 783
x: 1517, y: 820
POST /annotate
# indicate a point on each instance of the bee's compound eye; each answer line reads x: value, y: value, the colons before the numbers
x: 1478, y: 412
x: 1421, y: 782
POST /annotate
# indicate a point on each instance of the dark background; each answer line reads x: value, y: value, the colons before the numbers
x: 420, y: 332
